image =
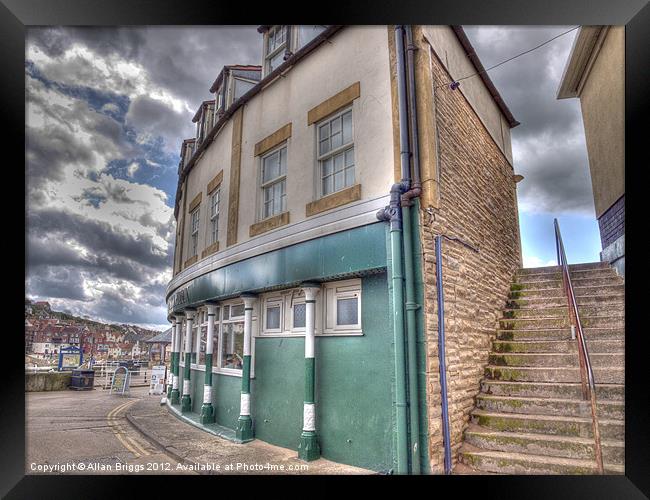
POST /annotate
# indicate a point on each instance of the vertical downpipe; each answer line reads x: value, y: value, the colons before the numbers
x: 441, y: 356
x: 400, y: 358
x: 409, y: 279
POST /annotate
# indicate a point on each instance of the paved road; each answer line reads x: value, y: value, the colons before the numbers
x: 69, y: 429
x: 86, y: 432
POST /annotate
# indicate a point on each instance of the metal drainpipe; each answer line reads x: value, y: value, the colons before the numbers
x: 400, y: 200
x: 441, y: 356
x: 411, y: 304
x: 393, y: 214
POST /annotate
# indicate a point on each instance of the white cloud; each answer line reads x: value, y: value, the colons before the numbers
x: 533, y: 261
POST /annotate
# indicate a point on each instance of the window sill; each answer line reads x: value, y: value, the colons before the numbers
x: 190, y: 261
x: 334, y: 200
x: 302, y: 334
x: 269, y: 224
x: 214, y: 248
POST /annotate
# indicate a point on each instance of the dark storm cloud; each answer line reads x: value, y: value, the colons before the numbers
x: 98, y: 237
x: 58, y: 282
x: 93, y: 120
x: 548, y: 146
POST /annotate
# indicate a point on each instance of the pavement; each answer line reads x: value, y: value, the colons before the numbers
x: 93, y: 432
x: 209, y: 454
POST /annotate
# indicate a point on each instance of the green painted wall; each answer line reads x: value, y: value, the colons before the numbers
x: 354, y: 386
x: 354, y: 378
x: 356, y: 250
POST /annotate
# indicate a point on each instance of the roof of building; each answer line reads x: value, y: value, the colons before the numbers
x: 197, y: 115
x: 227, y: 67
x: 586, y: 46
x: 480, y: 69
x: 162, y: 338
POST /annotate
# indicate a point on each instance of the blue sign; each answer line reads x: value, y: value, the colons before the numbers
x: 70, y: 358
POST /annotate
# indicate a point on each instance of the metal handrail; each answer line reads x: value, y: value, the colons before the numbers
x: 586, y: 372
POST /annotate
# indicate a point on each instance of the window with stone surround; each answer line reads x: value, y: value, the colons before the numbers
x: 335, y: 147
x: 214, y: 215
x: 274, y: 182
x: 194, y: 233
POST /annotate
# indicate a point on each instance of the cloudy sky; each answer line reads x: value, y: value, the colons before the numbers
x: 108, y: 108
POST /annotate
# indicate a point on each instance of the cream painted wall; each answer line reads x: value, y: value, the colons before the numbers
x: 354, y: 54
x: 603, y: 111
x: 449, y: 50
x: 215, y: 158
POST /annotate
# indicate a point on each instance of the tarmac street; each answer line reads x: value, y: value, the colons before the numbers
x: 93, y: 432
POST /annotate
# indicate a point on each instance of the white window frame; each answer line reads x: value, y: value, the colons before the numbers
x: 232, y: 371
x: 269, y: 55
x: 194, y: 232
x: 321, y: 158
x: 280, y: 178
x: 273, y: 301
x: 341, y: 290
x: 214, y: 215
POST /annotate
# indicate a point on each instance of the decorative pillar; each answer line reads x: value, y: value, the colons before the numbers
x: 207, y: 411
x: 186, y: 399
x: 197, y: 339
x: 309, y: 449
x: 245, y: 422
x: 176, y: 359
x: 170, y: 374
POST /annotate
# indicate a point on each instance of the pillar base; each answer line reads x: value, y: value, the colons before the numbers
x: 175, y: 396
x: 244, y: 431
x: 308, y: 449
x: 186, y: 403
x: 207, y: 413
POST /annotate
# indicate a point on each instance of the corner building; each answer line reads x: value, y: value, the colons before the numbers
x: 304, y: 295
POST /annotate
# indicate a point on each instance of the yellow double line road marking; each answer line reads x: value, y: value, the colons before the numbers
x: 129, y: 443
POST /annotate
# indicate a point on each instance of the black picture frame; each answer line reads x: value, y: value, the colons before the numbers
x: 17, y: 15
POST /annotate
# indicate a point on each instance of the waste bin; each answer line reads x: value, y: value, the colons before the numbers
x: 82, y: 380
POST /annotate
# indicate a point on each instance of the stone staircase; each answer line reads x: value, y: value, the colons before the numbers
x: 529, y: 417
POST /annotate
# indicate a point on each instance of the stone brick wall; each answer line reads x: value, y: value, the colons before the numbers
x: 612, y: 222
x: 477, y: 205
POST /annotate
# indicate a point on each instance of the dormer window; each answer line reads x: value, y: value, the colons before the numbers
x: 276, y: 44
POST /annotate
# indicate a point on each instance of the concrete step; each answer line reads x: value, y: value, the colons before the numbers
x: 536, y: 444
x: 554, y: 269
x: 613, y: 310
x: 548, y: 424
x: 567, y: 390
x: 557, y: 375
x: 550, y: 322
x: 556, y: 360
x: 557, y: 346
x: 557, y: 283
x: 557, y: 275
x: 550, y: 406
x: 605, y: 333
x: 561, y: 301
x: 558, y: 291
x: 515, y: 463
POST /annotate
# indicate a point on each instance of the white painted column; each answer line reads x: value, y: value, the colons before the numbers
x: 207, y: 411
x: 245, y: 422
x: 197, y: 340
x: 176, y: 348
x: 186, y: 399
x: 170, y: 373
x: 309, y: 448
